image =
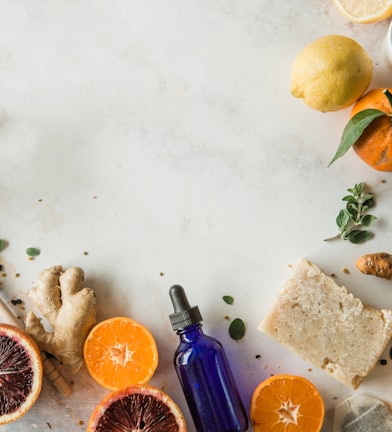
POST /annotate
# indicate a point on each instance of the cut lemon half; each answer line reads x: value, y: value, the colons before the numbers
x: 365, y: 11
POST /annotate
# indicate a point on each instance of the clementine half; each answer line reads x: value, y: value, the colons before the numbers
x: 374, y: 146
x: 137, y: 408
x: 120, y: 352
x: 21, y: 373
x: 286, y: 403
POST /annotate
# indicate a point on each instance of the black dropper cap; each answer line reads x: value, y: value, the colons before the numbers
x: 184, y: 315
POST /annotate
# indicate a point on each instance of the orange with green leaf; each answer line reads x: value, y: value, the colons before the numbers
x: 369, y: 131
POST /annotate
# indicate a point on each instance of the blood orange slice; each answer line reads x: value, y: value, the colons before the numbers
x: 137, y: 408
x: 20, y: 373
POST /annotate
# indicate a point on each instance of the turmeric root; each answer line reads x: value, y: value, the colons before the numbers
x: 376, y: 264
x: 70, y: 309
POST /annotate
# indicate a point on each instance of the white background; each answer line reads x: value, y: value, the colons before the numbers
x: 161, y: 137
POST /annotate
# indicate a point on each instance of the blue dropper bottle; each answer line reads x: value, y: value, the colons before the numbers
x: 204, y: 372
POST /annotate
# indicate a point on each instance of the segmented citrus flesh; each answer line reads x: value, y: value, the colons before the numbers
x: 137, y: 408
x: 20, y: 373
x: 286, y: 403
x: 365, y: 11
x: 120, y: 352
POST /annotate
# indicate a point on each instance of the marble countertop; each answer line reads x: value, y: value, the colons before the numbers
x: 157, y: 142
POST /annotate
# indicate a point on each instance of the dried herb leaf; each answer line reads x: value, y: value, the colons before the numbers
x: 32, y: 251
x: 228, y: 299
x: 354, y: 130
x: 2, y: 244
x: 237, y: 329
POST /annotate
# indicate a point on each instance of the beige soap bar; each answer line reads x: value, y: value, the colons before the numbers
x: 327, y: 326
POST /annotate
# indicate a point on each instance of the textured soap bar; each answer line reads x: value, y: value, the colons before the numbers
x: 362, y: 413
x: 327, y: 326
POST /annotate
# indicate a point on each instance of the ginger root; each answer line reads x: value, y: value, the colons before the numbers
x: 70, y: 309
x: 376, y: 264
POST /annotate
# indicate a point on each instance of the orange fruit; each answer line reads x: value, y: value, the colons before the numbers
x: 137, y: 408
x: 120, y: 352
x: 286, y: 403
x: 21, y: 373
x: 374, y: 146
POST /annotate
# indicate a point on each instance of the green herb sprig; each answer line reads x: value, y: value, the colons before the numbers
x: 353, y: 218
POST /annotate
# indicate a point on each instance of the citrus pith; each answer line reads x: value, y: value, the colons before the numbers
x: 285, y: 403
x: 21, y: 373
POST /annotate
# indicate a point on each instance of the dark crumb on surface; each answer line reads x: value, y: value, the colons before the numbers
x: 17, y: 274
x: 310, y: 370
x: 227, y: 317
x: 30, y: 258
x: 383, y: 362
x: 40, y: 199
x: 383, y: 181
x: 335, y: 398
x: 49, y: 425
x: 4, y: 274
x: 16, y: 302
x: 161, y: 274
x: 257, y: 356
x: 1, y: 267
x: 345, y: 270
x: 85, y: 253
x: 333, y: 275
x: 81, y: 423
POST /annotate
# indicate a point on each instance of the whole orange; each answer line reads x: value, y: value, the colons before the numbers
x: 374, y: 146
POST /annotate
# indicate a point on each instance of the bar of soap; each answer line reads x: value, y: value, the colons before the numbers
x: 362, y: 413
x: 327, y: 326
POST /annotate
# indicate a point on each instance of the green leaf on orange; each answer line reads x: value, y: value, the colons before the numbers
x: 354, y: 130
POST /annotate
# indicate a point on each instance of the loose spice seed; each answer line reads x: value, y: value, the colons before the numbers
x: 383, y: 362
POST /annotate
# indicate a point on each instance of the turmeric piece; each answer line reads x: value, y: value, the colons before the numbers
x: 69, y: 307
x: 376, y: 264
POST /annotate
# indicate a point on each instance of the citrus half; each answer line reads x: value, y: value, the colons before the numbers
x: 365, y: 11
x: 120, y: 352
x: 137, y: 408
x: 21, y: 373
x: 284, y: 403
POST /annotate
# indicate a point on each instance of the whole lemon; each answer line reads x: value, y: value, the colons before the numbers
x: 331, y: 73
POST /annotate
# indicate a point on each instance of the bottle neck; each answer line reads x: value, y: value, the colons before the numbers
x: 190, y: 332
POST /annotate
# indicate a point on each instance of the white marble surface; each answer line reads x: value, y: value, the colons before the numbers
x: 161, y: 137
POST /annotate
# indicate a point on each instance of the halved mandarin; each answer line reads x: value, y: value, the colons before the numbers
x: 21, y: 373
x: 286, y: 403
x: 120, y: 352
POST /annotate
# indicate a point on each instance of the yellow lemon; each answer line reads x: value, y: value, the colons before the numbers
x: 331, y: 73
x: 365, y: 11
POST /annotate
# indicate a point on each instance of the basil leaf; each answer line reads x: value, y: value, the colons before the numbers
x: 228, y: 299
x: 354, y: 130
x: 359, y: 236
x: 237, y: 329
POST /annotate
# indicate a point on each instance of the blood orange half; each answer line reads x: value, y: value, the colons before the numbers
x: 20, y: 373
x: 137, y: 408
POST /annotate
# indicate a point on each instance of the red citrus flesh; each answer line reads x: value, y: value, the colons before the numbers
x: 137, y: 408
x: 20, y: 373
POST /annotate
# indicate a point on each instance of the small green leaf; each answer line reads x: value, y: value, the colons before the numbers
x: 359, y: 236
x: 2, y: 244
x: 32, y: 251
x: 367, y: 220
x: 237, y: 329
x: 342, y: 219
x: 228, y: 299
x: 353, y: 131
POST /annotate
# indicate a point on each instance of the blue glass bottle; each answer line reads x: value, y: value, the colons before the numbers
x: 204, y: 372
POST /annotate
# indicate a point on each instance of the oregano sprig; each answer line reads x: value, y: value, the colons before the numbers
x: 354, y: 217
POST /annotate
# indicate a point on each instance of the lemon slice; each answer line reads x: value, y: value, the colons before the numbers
x: 365, y: 11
